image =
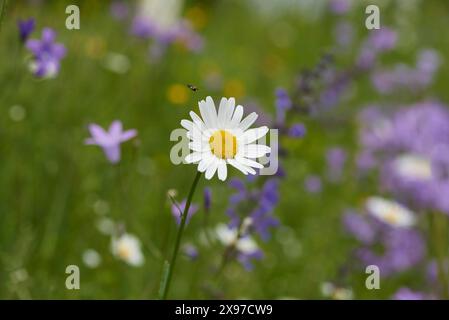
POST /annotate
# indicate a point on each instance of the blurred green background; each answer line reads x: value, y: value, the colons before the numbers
x: 54, y: 189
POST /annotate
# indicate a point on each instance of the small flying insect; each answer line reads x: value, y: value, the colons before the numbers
x: 192, y: 87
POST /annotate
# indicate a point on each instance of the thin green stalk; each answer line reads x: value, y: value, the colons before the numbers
x: 2, y: 12
x: 438, y: 229
x: 171, y: 267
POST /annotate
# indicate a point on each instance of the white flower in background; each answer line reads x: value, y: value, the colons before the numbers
x: 127, y: 248
x: 223, y: 138
x: 390, y: 212
x: 116, y: 62
x: 229, y: 237
x: 106, y: 226
x: 163, y: 14
x: 91, y: 258
x: 414, y: 167
x: 329, y: 290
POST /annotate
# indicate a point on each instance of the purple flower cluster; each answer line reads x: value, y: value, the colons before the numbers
x: 336, y: 159
x: 402, y: 248
x: 182, y: 32
x: 47, y: 54
x: 411, y: 147
x: 405, y: 77
x: 260, y: 203
x: 379, y: 41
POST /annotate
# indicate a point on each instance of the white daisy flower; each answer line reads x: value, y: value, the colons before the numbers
x: 390, y: 212
x: 413, y: 166
x: 228, y: 237
x: 127, y: 248
x: 219, y: 139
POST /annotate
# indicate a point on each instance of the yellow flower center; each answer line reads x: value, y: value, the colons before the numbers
x: 223, y: 144
x: 123, y: 251
x: 391, y: 217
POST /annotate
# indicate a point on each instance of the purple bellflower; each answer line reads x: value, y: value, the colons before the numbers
x: 26, y: 27
x: 110, y: 140
x: 47, y: 54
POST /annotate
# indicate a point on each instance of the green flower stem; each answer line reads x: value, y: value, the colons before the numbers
x: 2, y: 11
x: 171, y: 267
x: 439, y: 232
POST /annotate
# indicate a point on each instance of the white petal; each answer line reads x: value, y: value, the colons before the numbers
x: 198, y: 146
x: 248, y: 121
x: 207, y: 109
x: 229, y: 111
x: 237, y: 116
x: 238, y: 166
x: 193, y: 157
x: 188, y: 125
x: 222, y: 112
x: 222, y: 170
x: 249, y: 162
x: 205, y: 162
x: 197, y: 120
x: 252, y: 135
x: 255, y: 150
x: 211, y: 169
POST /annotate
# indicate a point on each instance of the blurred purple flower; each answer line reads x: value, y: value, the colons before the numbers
x: 191, y: 251
x: 383, y: 39
x: 119, y: 10
x: 207, y: 199
x: 26, y: 27
x: 47, y: 54
x: 344, y: 34
x: 246, y: 258
x: 313, y: 184
x: 261, y: 217
x: 336, y: 158
x: 407, y: 294
x: 110, y: 140
x: 283, y: 103
x: 297, y: 130
x: 404, y: 77
x: 142, y: 28
x: 339, y: 6
x: 177, y: 215
x: 359, y: 227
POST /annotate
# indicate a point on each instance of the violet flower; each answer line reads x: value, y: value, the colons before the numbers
x: 110, y: 140
x: 339, y: 6
x: 177, y: 215
x: 313, y: 184
x: 283, y: 103
x: 297, y: 130
x: 26, y: 27
x: 207, y: 199
x: 408, y: 294
x: 119, y: 10
x: 336, y: 158
x: 47, y: 54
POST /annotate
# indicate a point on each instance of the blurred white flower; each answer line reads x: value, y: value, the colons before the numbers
x: 163, y: 14
x: 106, y: 226
x: 390, y: 212
x: 91, y: 258
x: 101, y: 207
x: 17, y: 113
x: 116, y: 62
x: 229, y: 237
x: 127, y: 248
x: 414, y: 167
x: 329, y: 290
